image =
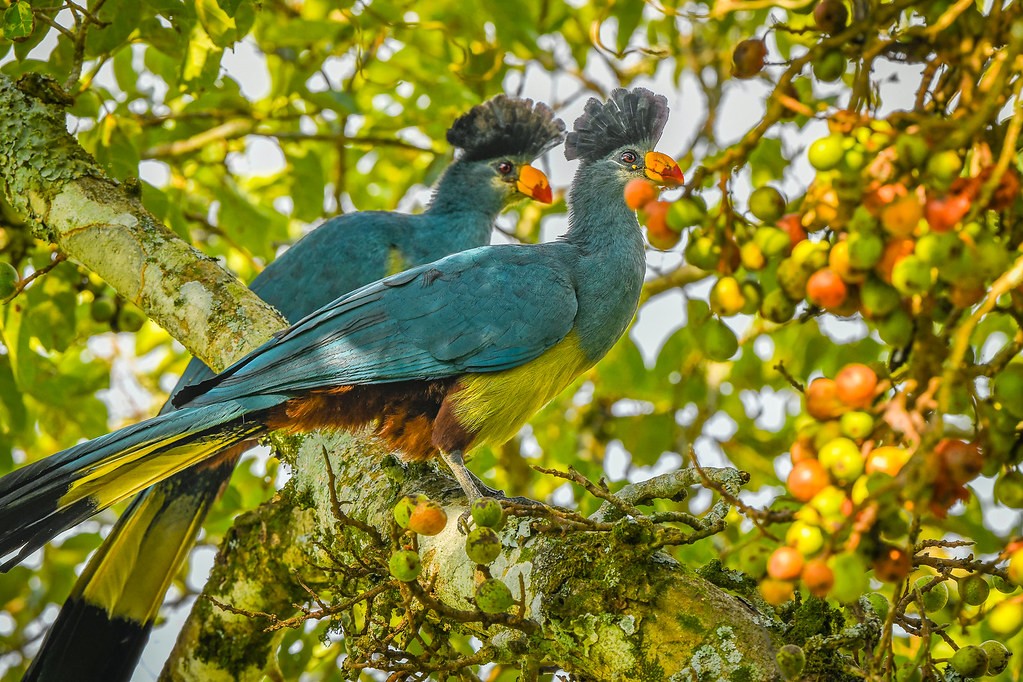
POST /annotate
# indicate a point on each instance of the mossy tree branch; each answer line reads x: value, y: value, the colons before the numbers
x: 607, y: 606
x: 102, y: 225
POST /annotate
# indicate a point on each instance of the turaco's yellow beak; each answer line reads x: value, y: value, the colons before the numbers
x: 662, y: 169
x: 533, y: 183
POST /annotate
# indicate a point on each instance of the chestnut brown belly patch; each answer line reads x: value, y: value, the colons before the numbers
x: 403, y: 413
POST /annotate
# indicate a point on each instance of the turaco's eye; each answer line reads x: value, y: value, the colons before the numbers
x: 629, y: 157
x: 504, y: 167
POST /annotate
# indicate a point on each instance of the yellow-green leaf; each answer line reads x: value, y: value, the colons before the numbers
x: 18, y: 21
x: 218, y: 24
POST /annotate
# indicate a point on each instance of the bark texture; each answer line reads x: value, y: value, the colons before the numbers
x: 606, y: 607
x: 101, y: 224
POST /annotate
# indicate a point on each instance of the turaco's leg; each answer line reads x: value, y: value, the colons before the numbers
x: 471, y: 483
x: 452, y: 439
x: 475, y: 488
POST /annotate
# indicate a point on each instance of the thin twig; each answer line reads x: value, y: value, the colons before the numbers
x: 24, y: 282
x: 335, y: 504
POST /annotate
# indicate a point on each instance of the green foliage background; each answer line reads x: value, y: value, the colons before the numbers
x: 149, y: 84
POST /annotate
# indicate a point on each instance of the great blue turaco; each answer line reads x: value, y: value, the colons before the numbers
x: 102, y: 629
x: 441, y: 358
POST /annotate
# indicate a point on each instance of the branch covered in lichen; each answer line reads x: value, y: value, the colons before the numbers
x: 600, y: 599
x: 102, y: 225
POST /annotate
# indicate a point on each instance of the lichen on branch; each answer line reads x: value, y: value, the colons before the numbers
x: 598, y: 600
x: 101, y: 224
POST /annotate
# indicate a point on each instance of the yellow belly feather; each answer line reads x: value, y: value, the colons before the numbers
x: 496, y: 405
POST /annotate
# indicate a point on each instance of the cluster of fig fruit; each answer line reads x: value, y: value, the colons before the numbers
x: 856, y: 503
x: 421, y: 515
x: 979, y: 660
x: 883, y: 231
x: 989, y: 658
x: 894, y: 224
x: 900, y: 232
x: 837, y: 471
x: 121, y: 315
x: 483, y: 545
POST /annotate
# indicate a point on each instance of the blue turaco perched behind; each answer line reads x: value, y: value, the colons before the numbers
x: 443, y: 357
x: 101, y: 631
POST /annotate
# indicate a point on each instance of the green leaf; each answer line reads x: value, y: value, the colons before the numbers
x: 646, y: 437
x: 629, y: 15
x: 115, y: 147
x: 124, y: 71
x: 49, y: 321
x: 13, y: 415
x: 23, y: 47
x: 767, y: 162
x: 166, y: 65
x: 18, y: 22
x: 244, y: 18
x: 12, y: 583
x: 168, y: 7
x: 219, y: 25
x: 623, y: 372
x: 255, y: 225
x: 121, y: 18
x: 162, y: 38
x: 202, y: 61
x: 155, y: 200
x: 307, y: 183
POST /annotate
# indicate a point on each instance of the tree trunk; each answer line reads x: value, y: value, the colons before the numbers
x: 102, y: 225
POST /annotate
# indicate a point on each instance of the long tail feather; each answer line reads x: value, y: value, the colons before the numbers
x: 51, y: 495
x: 74, y: 659
x: 105, y: 623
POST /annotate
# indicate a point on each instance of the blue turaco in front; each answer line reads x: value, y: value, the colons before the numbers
x: 442, y: 358
x: 102, y: 629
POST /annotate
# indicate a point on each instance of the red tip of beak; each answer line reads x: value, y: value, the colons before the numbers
x: 533, y: 183
x: 673, y: 173
x: 543, y: 194
x: 662, y: 169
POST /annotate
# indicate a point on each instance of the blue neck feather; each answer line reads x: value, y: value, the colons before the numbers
x: 611, y: 260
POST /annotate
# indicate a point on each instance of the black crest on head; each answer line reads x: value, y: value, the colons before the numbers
x: 628, y: 117
x: 506, y: 126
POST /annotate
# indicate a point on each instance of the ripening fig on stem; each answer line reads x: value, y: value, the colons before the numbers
x: 748, y: 58
x: 855, y: 385
x: 822, y: 401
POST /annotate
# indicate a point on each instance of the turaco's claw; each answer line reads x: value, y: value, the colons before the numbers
x: 533, y: 183
x: 463, y: 519
x: 481, y: 489
x: 662, y: 169
x: 499, y: 495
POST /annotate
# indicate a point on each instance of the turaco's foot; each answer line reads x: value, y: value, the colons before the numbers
x: 463, y: 522
x: 487, y: 491
x: 474, y: 488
